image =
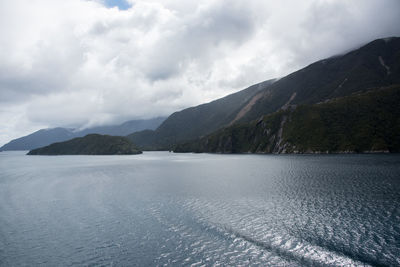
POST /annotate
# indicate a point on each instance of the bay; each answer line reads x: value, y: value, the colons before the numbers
x: 162, y: 208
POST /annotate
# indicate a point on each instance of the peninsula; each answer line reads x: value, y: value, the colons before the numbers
x: 91, y: 144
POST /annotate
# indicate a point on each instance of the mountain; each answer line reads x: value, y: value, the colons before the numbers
x: 45, y: 137
x: 125, y: 128
x: 196, y: 121
x: 362, y: 122
x: 374, y: 65
x: 40, y: 138
x: 91, y: 144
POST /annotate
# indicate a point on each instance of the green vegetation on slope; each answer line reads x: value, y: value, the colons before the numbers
x: 364, y: 122
x: 359, y: 123
x: 91, y: 144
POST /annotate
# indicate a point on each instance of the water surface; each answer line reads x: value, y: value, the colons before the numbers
x: 161, y: 208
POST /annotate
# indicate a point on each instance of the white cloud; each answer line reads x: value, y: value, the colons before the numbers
x: 77, y: 62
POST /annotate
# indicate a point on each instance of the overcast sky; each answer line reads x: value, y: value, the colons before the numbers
x: 79, y: 63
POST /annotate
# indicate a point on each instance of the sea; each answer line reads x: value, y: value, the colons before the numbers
x: 167, y: 209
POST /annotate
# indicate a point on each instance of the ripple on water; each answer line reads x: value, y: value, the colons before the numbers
x: 168, y: 209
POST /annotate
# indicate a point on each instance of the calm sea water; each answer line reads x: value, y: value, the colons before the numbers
x: 162, y: 208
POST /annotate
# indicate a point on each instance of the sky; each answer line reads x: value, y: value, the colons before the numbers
x: 83, y: 63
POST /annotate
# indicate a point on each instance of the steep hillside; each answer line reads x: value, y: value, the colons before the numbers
x: 197, y: 121
x: 45, y: 137
x: 363, y: 122
x: 92, y: 144
x: 374, y: 65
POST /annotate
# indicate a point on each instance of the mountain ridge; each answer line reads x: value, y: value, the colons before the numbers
x: 44, y: 137
x: 376, y: 64
x: 185, y: 124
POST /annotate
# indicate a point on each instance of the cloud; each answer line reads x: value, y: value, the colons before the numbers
x: 82, y: 63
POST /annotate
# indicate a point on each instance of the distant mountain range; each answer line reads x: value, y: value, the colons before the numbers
x: 373, y: 66
x: 46, y: 137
